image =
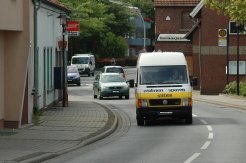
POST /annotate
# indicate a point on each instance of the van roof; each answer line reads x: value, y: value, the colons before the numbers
x: 161, y: 58
x: 83, y: 55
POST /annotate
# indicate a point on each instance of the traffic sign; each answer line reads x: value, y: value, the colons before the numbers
x: 73, y: 28
x: 222, y: 32
x: 222, y: 37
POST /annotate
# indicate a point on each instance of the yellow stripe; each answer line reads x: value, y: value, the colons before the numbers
x: 168, y: 95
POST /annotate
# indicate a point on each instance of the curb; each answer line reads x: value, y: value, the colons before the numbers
x: 221, y: 103
x: 108, y: 129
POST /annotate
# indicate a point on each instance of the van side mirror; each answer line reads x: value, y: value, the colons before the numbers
x: 131, y: 83
x: 90, y: 63
x: 194, y: 81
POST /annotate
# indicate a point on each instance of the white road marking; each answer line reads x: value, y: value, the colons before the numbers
x: 211, y: 135
x: 206, y: 144
x: 203, y: 121
x: 209, y: 128
x: 193, y: 157
x: 194, y: 115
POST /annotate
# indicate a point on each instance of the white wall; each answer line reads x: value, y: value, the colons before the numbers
x: 49, y: 29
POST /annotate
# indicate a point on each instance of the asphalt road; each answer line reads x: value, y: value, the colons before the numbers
x: 217, y: 135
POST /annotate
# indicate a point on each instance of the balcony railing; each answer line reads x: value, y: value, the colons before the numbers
x: 138, y: 41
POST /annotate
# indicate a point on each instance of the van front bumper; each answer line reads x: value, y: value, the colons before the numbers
x: 174, y: 112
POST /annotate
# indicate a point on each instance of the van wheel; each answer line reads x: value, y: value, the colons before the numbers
x: 188, y: 119
x: 89, y: 74
x: 92, y: 74
x: 127, y: 97
x: 140, y: 120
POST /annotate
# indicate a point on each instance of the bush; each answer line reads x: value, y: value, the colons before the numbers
x: 231, y: 88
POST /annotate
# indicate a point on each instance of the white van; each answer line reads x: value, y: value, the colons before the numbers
x: 85, y: 63
x: 163, y: 87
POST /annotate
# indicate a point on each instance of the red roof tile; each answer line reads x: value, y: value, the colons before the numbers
x: 56, y: 2
x: 176, y: 2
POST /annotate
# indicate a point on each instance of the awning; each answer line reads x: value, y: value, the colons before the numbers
x: 172, y: 37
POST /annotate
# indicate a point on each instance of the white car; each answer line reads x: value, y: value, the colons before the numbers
x: 114, y: 69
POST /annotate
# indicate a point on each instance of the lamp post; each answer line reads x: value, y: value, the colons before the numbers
x: 136, y: 9
x: 63, y: 20
x: 238, y: 30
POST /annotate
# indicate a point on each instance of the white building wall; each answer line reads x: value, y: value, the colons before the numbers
x: 49, y: 29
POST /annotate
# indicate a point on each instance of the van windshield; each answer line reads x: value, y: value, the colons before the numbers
x: 163, y: 75
x: 80, y: 60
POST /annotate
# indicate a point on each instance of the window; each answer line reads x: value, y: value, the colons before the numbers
x: 233, y: 28
x: 233, y: 67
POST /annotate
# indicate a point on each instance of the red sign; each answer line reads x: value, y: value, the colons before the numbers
x: 73, y: 28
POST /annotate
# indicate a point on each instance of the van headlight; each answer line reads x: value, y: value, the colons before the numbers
x: 187, y: 102
x: 142, y: 103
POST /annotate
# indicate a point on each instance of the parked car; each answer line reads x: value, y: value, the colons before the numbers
x: 73, y: 76
x: 114, y: 69
x: 109, y: 85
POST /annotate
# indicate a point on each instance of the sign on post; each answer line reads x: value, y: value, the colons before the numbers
x: 222, y: 37
x: 73, y: 28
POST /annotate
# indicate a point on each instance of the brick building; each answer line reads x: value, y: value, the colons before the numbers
x: 205, y: 51
x: 172, y: 23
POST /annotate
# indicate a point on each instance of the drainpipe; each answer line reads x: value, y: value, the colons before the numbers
x: 35, y: 89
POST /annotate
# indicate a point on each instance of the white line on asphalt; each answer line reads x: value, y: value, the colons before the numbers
x: 194, y: 115
x: 209, y: 128
x: 211, y: 135
x: 206, y: 144
x: 193, y: 157
x: 203, y: 121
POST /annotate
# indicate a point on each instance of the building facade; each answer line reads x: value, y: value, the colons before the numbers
x: 211, y: 54
x: 31, y: 24
x: 49, y: 32
x: 207, y: 54
x: 172, y: 23
x: 16, y: 55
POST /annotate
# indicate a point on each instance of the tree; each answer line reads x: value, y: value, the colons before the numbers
x: 116, y: 46
x: 235, y: 9
x: 97, y: 18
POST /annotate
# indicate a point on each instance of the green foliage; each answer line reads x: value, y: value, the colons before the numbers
x: 235, y: 9
x: 97, y: 19
x: 231, y: 88
x: 37, y: 113
x: 116, y: 46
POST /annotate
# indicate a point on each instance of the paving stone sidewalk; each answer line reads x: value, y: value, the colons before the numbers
x: 58, y: 130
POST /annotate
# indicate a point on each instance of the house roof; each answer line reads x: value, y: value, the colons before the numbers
x: 176, y: 2
x: 56, y: 4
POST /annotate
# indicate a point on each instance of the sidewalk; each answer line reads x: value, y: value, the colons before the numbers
x: 222, y: 99
x: 59, y: 130
x: 63, y: 129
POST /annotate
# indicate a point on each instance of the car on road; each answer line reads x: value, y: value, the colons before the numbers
x: 114, y: 69
x: 73, y: 76
x: 109, y: 85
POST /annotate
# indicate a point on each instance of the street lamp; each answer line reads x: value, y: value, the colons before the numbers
x: 136, y: 9
x: 63, y: 20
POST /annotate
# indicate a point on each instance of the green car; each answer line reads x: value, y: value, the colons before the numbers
x: 110, y: 85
